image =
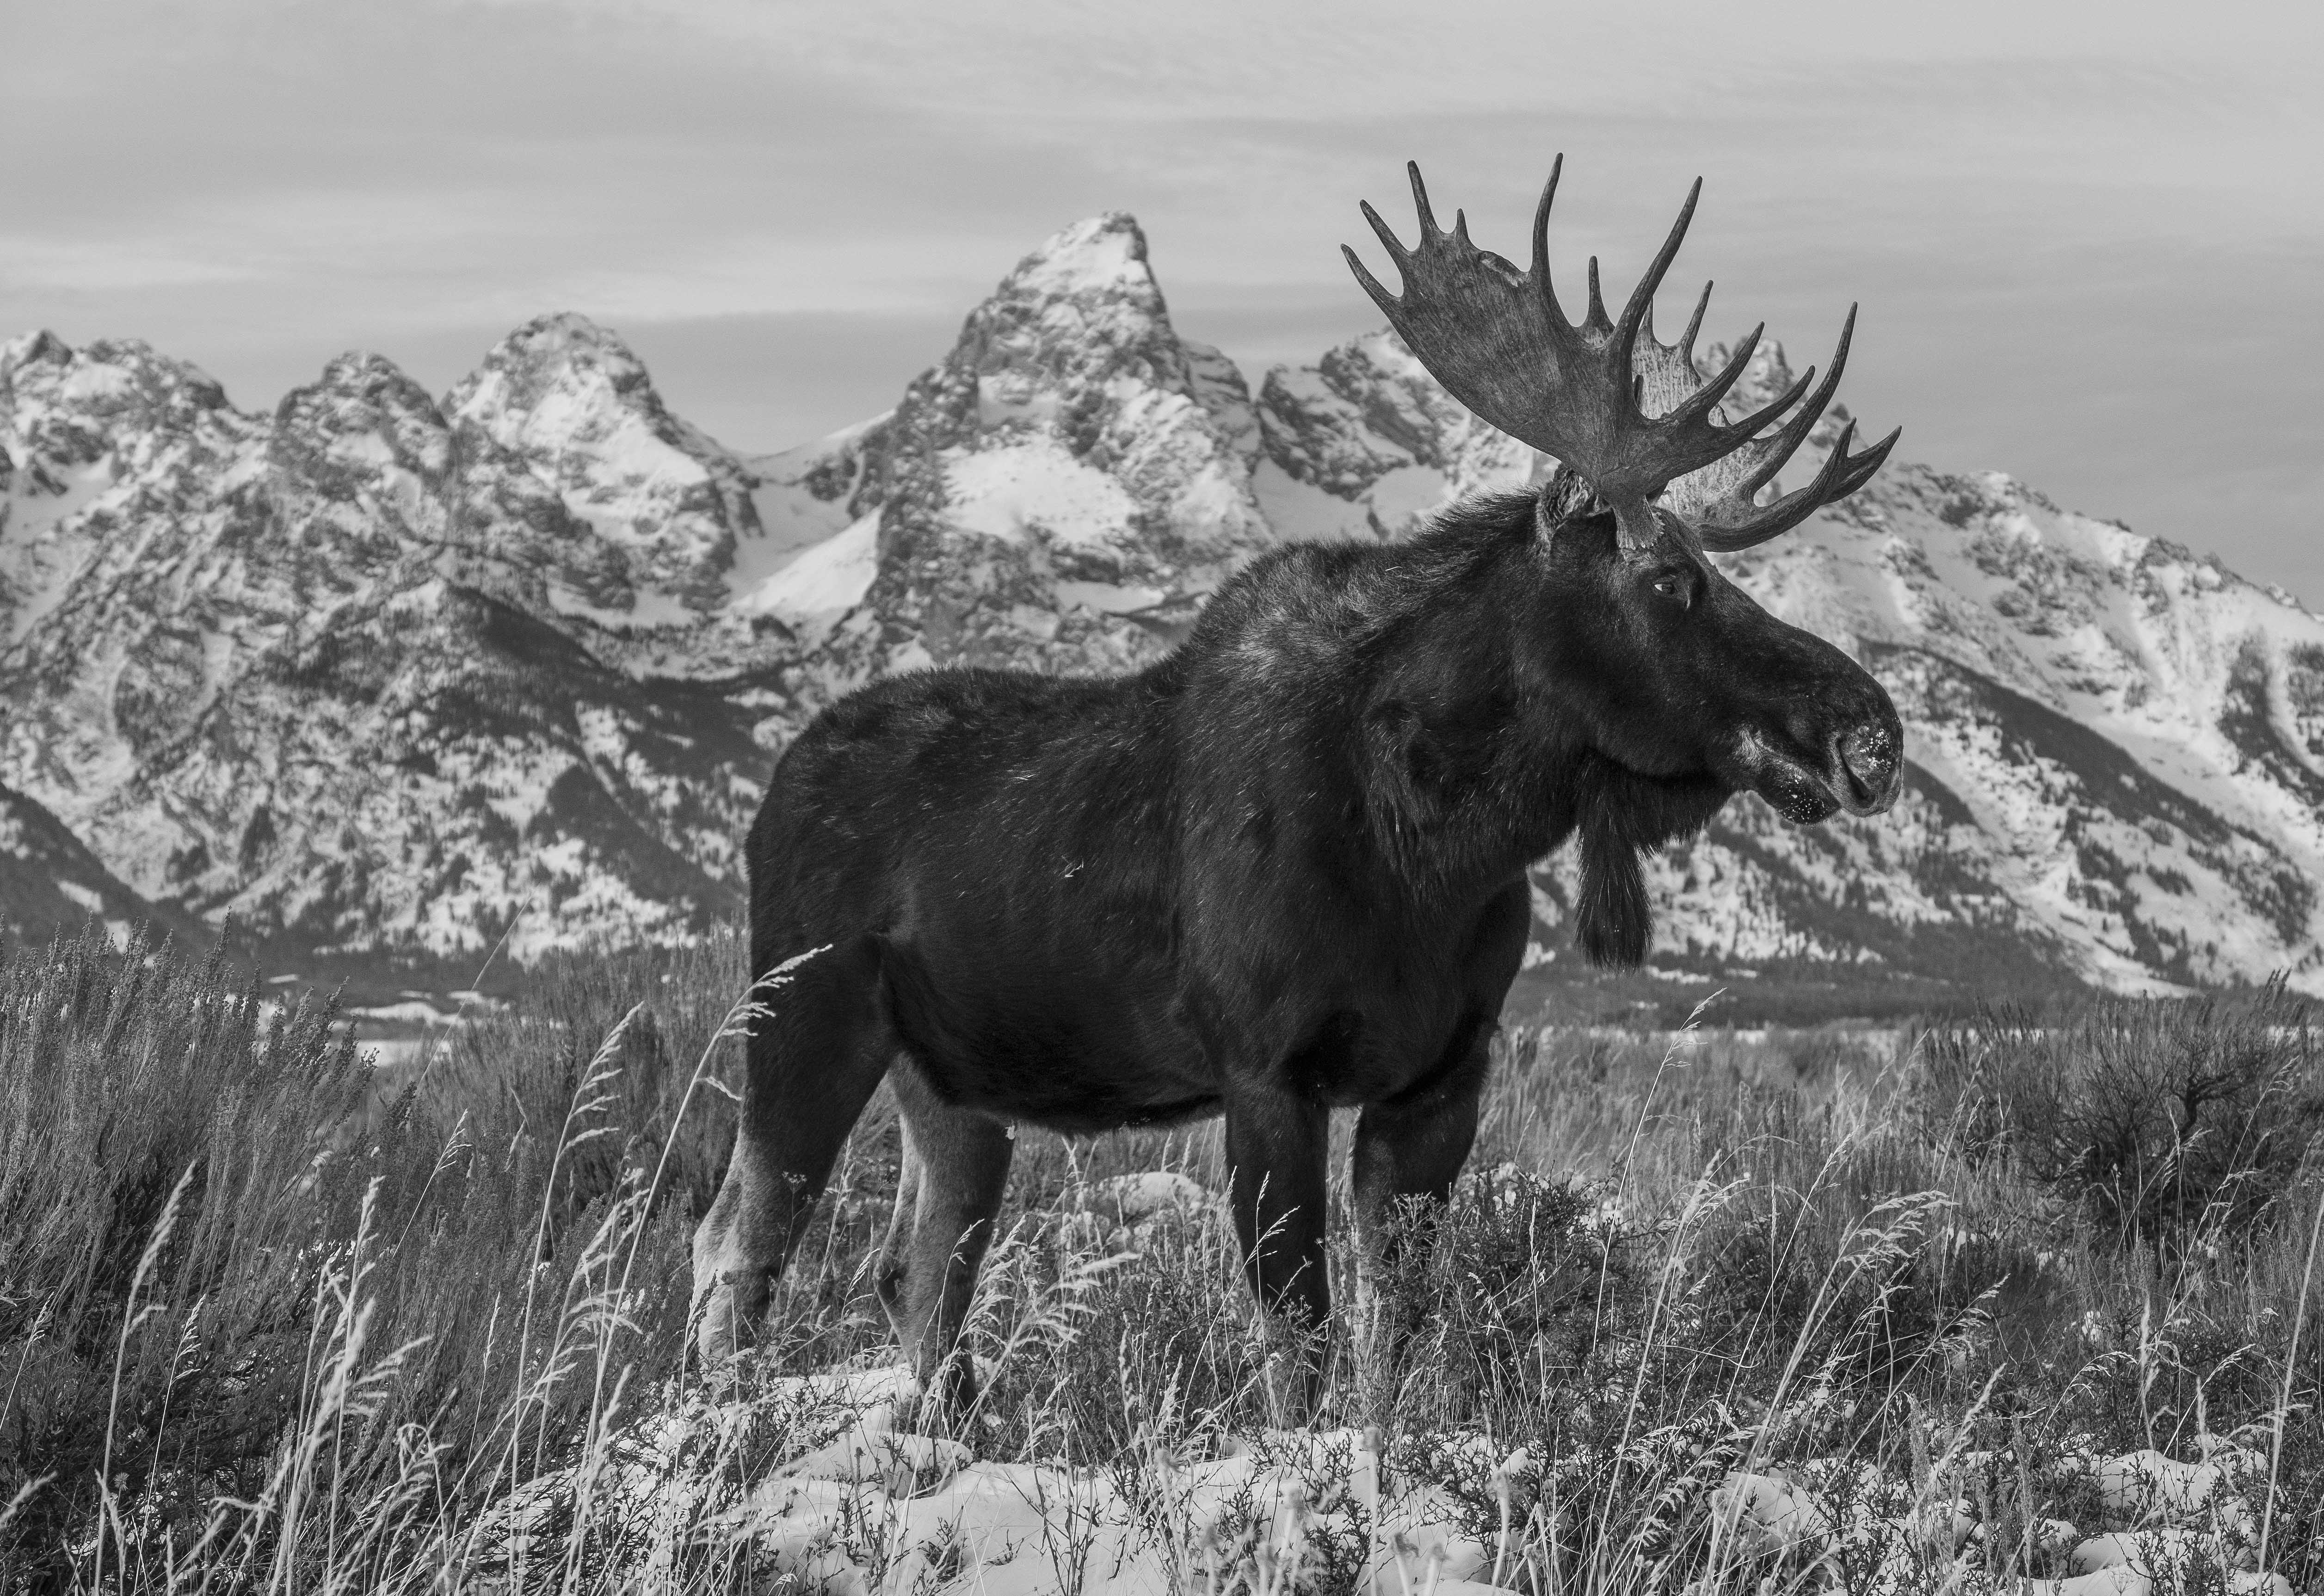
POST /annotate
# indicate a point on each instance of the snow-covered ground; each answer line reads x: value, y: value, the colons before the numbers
x: 826, y: 1481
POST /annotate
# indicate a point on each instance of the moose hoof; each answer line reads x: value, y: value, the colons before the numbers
x: 728, y: 1318
x: 948, y: 1395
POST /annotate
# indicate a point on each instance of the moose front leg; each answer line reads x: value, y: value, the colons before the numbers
x: 1406, y: 1149
x: 816, y: 1054
x: 1276, y: 1144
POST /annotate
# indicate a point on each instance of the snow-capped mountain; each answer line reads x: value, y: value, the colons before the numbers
x: 314, y: 670
x: 1061, y: 492
x: 379, y: 675
x: 2113, y: 745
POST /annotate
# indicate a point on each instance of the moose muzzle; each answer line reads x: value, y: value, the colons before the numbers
x: 1866, y: 770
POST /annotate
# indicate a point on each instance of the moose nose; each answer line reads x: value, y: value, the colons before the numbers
x: 1868, y: 768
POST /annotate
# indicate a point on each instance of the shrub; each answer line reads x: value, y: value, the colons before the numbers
x: 1500, y: 1296
x: 2156, y: 1119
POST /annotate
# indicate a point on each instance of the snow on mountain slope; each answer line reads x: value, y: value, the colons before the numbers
x: 667, y: 504
x: 1062, y: 490
x: 2120, y: 717
x: 309, y: 670
x: 1365, y: 439
x: 376, y: 674
x: 814, y: 592
x: 801, y: 498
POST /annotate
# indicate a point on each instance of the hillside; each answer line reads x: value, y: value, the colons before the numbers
x: 51, y: 885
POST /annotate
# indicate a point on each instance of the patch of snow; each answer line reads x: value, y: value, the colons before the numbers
x: 362, y: 448
x: 1107, y: 598
x: 812, y: 592
x: 413, y: 1012
x: 842, y: 1452
x: 92, y: 380
x: 1034, y: 488
x: 792, y: 517
x: 1002, y: 1529
x: 1131, y: 1198
x: 42, y: 553
x: 90, y: 900
x: 1104, y: 254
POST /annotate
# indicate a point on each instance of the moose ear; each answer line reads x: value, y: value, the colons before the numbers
x: 1565, y: 499
x: 1567, y: 495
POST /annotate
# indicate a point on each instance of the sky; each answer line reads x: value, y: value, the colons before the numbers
x: 2087, y: 242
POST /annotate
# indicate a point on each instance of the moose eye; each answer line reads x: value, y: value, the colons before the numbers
x: 1673, y: 585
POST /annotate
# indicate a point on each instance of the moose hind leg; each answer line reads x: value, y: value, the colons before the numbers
x: 814, y: 1059
x: 956, y: 1170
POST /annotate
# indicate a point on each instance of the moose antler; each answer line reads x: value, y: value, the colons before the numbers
x: 1500, y: 342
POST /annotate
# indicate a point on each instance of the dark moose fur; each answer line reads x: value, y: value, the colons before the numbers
x: 1279, y: 871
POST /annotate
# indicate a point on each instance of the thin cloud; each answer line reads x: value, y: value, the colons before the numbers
x: 788, y: 208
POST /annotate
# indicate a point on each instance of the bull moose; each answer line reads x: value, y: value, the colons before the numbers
x: 1282, y: 870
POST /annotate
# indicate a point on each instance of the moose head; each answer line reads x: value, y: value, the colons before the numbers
x: 1683, y: 688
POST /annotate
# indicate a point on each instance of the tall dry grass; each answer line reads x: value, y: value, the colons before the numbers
x: 385, y: 1309
x: 268, y: 1321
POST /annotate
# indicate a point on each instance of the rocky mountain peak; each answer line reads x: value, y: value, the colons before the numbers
x: 572, y: 402
x: 1079, y: 310
x: 1071, y: 319
x: 364, y: 415
x: 62, y: 408
x: 1104, y: 254
x: 1364, y: 443
x: 1366, y: 409
x: 565, y: 354
x: 1066, y: 484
